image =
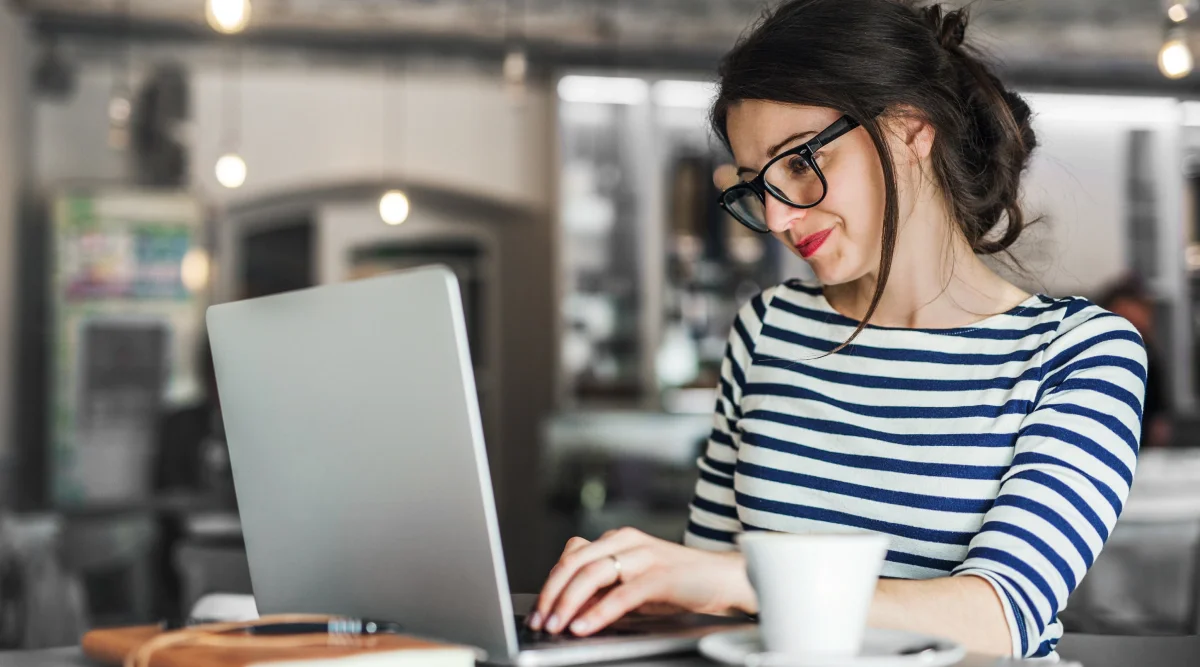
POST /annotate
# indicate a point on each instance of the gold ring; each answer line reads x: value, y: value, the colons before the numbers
x: 616, y: 565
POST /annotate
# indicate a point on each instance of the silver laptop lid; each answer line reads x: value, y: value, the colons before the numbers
x: 358, y: 456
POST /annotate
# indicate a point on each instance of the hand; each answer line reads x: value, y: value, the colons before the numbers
x: 586, y: 591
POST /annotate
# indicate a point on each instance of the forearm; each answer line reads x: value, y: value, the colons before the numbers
x: 965, y: 609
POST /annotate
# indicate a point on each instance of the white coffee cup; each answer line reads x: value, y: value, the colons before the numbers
x: 814, y: 590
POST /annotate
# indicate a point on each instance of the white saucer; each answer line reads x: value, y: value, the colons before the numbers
x: 881, y: 648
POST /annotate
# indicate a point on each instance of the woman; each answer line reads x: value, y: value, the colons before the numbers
x: 991, y: 434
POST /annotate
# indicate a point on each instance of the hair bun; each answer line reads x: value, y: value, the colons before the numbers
x: 950, y: 27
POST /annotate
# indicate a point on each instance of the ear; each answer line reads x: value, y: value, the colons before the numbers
x: 910, y: 128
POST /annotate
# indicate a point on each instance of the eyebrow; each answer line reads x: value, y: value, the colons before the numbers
x: 773, y: 150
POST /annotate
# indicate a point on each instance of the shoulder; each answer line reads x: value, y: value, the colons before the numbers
x: 1086, y: 334
x: 1081, y: 322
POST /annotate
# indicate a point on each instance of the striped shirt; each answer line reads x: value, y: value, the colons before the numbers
x: 1004, y: 450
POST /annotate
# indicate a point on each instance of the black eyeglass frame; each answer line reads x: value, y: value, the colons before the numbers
x: 760, y: 186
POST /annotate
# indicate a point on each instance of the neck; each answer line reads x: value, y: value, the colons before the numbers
x: 936, y: 281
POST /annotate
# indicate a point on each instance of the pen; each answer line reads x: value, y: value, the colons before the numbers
x: 334, y: 626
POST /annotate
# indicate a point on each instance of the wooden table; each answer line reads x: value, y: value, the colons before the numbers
x: 1091, y: 650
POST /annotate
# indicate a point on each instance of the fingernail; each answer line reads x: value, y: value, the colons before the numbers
x: 552, y: 623
x: 535, y: 621
x: 579, y: 627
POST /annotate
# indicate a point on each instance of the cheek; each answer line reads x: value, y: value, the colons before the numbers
x: 856, y: 196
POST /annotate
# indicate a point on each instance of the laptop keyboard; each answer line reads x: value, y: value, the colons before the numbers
x: 527, y: 636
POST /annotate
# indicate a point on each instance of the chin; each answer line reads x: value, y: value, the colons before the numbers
x: 832, y: 270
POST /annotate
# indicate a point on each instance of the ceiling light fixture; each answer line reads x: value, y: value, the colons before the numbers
x: 1175, y: 57
x: 393, y: 207
x: 228, y: 16
x: 231, y: 170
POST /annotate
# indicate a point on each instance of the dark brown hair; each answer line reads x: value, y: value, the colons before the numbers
x: 867, y: 58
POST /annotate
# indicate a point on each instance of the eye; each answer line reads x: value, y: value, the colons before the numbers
x: 797, y: 165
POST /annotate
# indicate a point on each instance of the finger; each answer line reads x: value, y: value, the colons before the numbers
x: 592, y: 579
x: 587, y: 583
x: 537, y: 617
x: 618, y: 602
x: 572, y: 562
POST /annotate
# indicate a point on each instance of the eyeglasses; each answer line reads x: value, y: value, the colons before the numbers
x: 792, y: 177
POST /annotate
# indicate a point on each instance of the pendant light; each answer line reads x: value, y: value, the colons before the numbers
x: 394, y: 206
x: 1175, y: 59
x: 231, y: 169
x: 228, y: 17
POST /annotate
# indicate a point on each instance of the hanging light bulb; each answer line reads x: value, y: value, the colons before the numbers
x: 228, y: 16
x: 194, y: 270
x: 231, y: 170
x: 1178, y: 12
x: 1175, y: 57
x: 393, y: 207
x: 516, y: 66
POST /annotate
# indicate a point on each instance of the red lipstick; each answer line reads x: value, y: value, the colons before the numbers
x: 811, y: 243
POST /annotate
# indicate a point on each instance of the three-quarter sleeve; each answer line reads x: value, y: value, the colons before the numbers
x: 713, y: 522
x: 1073, y: 465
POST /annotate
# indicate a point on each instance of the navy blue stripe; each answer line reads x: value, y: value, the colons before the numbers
x: 1061, y: 488
x: 1039, y: 545
x: 1102, y: 387
x: 1035, y: 459
x: 811, y: 290
x: 1044, y: 649
x: 1108, y: 421
x: 1081, y: 441
x: 731, y: 426
x: 902, y: 498
x: 721, y: 438
x: 1105, y: 361
x: 1076, y: 305
x: 727, y: 392
x: 922, y: 561
x: 977, y: 333
x: 1051, y: 517
x: 747, y: 339
x: 739, y: 377
x: 902, y: 354
x: 863, y: 461
x: 726, y: 482
x: 760, y: 308
x: 1017, y: 611
x: 1014, y: 406
x: 1052, y: 305
x: 1014, y: 563
x: 1019, y: 618
x: 720, y: 466
x: 909, y: 439
x: 898, y: 383
x: 709, y: 533
x: 846, y: 519
x: 1074, y: 351
x: 714, y: 508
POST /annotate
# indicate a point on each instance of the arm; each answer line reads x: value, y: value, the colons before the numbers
x: 710, y: 577
x: 1070, y: 475
x: 965, y: 609
x: 713, y: 522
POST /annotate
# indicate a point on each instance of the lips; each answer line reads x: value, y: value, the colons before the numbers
x: 809, y: 245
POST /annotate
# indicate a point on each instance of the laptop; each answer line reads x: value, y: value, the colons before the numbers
x: 362, y: 477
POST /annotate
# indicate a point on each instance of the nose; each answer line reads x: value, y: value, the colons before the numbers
x: 780, y: 216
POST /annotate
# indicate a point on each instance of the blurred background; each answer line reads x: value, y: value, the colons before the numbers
x: 159, y: 156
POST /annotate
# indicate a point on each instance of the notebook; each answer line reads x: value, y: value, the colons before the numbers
x: 201, y: 648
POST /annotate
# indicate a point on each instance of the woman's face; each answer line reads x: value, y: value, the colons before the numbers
x: 850, y: 218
